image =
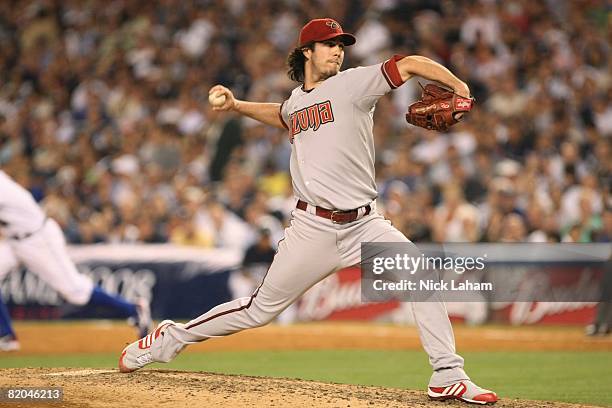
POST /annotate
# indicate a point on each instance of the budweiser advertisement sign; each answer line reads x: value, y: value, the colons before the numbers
x: 504, y: 283
x: 338, y: 297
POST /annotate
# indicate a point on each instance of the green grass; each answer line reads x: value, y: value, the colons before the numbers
x: 579, y: 377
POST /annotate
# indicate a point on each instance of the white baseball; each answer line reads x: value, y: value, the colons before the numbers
x: 216, y: 98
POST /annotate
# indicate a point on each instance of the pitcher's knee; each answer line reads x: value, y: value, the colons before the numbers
x: 262, y: 315
x: 263, y: 318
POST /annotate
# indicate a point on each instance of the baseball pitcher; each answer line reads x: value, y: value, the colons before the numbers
x: 329, y: 121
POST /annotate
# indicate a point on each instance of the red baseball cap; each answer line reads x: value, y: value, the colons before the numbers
x: 322, y: 29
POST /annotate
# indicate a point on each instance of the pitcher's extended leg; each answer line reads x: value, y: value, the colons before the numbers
x: 435, y: 330
x: 306, y: 255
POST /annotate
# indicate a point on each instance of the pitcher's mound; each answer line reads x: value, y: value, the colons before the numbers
x: 102, y: 388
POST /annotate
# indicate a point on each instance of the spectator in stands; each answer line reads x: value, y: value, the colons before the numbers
x: 455, y: 220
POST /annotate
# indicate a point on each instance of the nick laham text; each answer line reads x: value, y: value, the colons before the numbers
x: 452, y: 285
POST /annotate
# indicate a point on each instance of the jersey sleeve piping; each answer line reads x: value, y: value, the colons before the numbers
x: 390, y: 71
x: 280, y: 115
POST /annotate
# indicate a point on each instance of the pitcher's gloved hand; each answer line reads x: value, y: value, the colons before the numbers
x: 438, y: 109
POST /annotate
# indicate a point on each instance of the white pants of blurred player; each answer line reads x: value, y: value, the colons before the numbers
x: 44, y: 254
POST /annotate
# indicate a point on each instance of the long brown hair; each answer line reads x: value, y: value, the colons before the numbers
x: 296, y: 61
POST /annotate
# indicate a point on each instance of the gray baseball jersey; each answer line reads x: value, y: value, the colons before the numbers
x: 330, y: 128
x: 332, y: 166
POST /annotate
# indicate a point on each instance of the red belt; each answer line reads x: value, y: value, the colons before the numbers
x: 336, y: 216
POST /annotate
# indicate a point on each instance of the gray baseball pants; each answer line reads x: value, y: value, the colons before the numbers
x: 312, y: 249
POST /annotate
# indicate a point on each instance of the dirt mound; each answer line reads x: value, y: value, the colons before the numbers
x: 95, y: 388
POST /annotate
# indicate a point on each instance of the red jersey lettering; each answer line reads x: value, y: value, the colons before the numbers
x: 303, y: 120
x: 311, y: 117
x: 325, y: 110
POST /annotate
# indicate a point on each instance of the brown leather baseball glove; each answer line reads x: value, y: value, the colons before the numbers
x: 438, y: 109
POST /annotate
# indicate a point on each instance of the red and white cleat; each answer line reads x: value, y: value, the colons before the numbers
x: 138, y: 354
x: 465, y: 391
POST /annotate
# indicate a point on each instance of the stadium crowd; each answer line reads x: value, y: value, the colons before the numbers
x: 104, y: 117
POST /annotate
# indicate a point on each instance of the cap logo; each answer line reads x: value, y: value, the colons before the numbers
x: 332, y: 24
x: 322, y: 29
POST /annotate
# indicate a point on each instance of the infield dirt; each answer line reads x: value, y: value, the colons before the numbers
x: 95, y: 388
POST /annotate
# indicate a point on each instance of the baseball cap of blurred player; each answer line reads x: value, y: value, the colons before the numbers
x: 323, y: 29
